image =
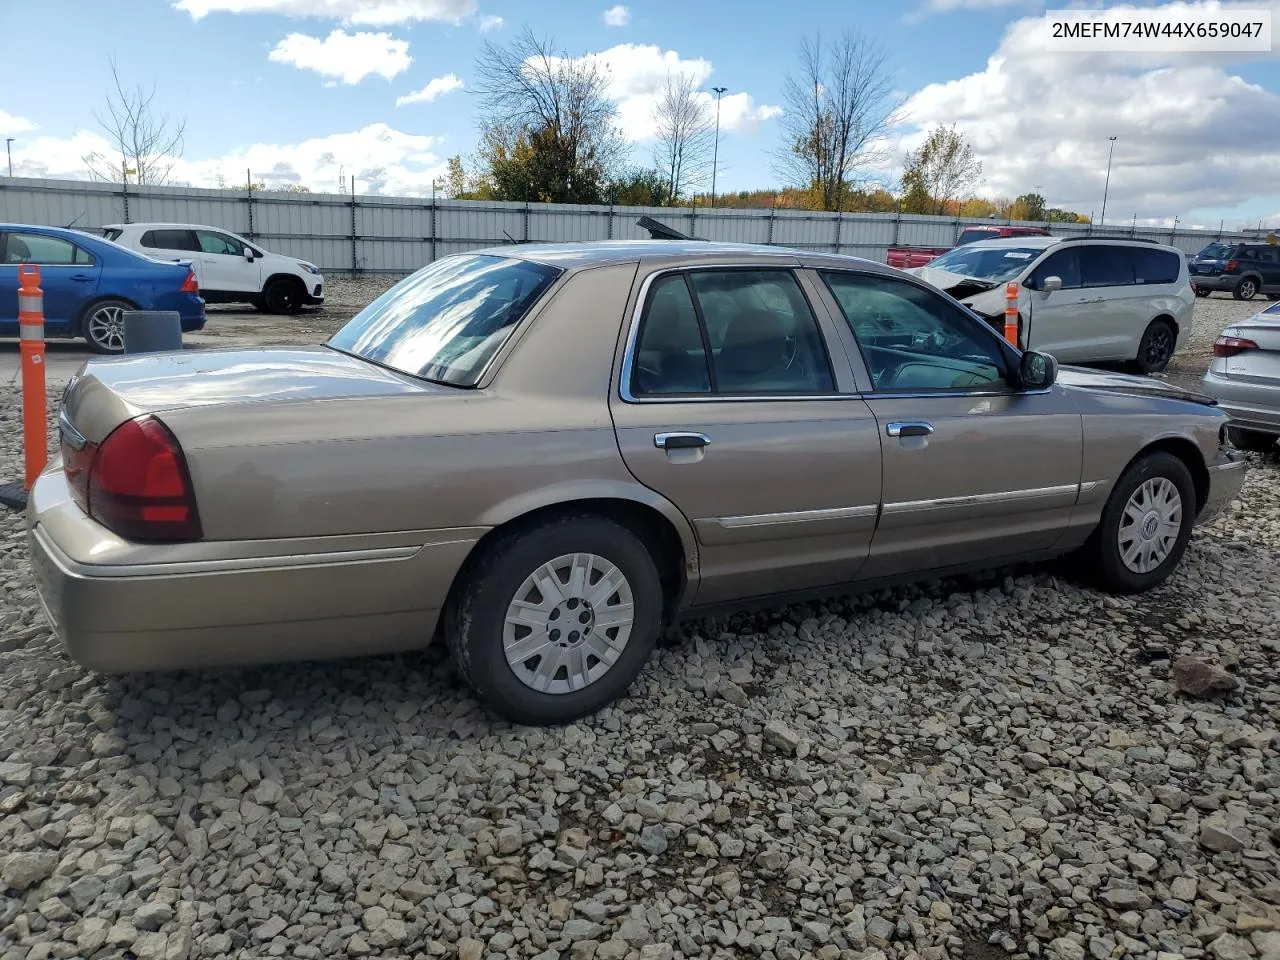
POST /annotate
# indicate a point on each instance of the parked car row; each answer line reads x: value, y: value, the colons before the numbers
x: 91, y: 278
x: 542, y: 454
x: 1242, y: 269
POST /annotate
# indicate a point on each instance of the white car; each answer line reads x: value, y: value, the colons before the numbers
x: 1082, y: 299
x: 229, y: 269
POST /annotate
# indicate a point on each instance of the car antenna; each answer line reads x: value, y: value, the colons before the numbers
x: 73, y: 222
x: 508, y: 236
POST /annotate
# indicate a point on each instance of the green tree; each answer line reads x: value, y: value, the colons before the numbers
x: 548, y: 127
x: 639, y: 188
x: 942, y: 172
x: 1029, y: 206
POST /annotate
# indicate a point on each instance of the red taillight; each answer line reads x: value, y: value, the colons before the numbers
x: 1231, y: 346
x: 1230, y: 265
x: 139, y: 486
x: 189, y: 285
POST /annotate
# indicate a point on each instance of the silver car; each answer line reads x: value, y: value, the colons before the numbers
x: 1245, y: 379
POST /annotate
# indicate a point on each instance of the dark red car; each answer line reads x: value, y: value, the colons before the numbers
x: 903, y: 257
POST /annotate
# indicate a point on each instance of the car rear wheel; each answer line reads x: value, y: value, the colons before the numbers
x: 103, y: 325
x: 283, y: 295
x: 1156, y: 347
x: 1246, y: 289
x: 552, y: 624
x: 1252, y: 440
x: 1202, y: 292
x: 1145, y: 525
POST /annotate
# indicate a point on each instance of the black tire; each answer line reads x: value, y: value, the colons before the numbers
x: 102, y: 327
x: 1202, y: 292
x: 1254, y: 441
x: 1155, y: 350
x: 1273, y: 296
x: 475, y: 617
x: 284, y: 295
x: 1101, y: 555
x: 1246, y: 289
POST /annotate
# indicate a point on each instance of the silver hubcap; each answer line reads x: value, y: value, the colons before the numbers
x: 1247, y: 290
x: 106, y: 327
x: 568, y: 624
x: 1150, y: 526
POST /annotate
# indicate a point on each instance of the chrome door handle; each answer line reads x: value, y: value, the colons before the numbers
x: 680, y: 441
x: 909, y: 428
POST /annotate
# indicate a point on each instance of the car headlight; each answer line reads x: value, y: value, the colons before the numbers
x: 310, y: 268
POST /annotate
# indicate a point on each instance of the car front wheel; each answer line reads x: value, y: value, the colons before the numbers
x: 1145, y: 525
x: 283, y: 295
x: 556, y: 622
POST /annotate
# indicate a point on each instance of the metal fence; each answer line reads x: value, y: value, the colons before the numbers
x: 344, y: 233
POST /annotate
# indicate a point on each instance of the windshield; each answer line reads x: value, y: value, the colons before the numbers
x: 986, y: 263
x: 446, y: 321
x: 1216, y: 251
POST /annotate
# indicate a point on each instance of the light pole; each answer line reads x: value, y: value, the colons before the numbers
x: 9, y: 153
x: 1108, y: 183
x: 715, y: 151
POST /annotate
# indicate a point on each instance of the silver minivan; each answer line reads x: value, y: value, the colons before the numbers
x: 1082, y: 299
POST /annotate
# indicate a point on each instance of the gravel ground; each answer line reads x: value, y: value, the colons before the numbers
x: 990, y: 767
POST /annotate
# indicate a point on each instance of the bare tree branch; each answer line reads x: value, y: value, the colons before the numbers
x: 943, y: 171
x: 685, y: 130
x: 145, y: 146
x: 839, y: 105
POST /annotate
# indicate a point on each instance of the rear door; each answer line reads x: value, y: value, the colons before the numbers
x: 733, y: 407
x: 69, y: 275
x: 1269, y: 267
x: 173, y: 244
x: 225, y: 267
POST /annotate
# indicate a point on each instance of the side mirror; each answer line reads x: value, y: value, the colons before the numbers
x: 248, y: 254
x: 1051, y: 284
x: 1037, y: 371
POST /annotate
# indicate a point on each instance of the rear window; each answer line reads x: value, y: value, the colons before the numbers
x: 1217, y: 251
x: 975, y: 233
x: 449, y: 319
x: 1156, y: 266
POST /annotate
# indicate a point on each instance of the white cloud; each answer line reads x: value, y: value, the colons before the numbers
x: 348, y: 56
x: 617, y: 16
x: 638, y: 74
x: 435, y: 88
x: 383, y: 160
x: 366, y: 12
x: 1191, y: 135
x: 9, y: 124
x: 490, y: 22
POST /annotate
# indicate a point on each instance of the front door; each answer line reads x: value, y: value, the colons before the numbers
x: 730, y: 407
x: 225, y: 267
x: 974, y: 469
x: 68, y: 279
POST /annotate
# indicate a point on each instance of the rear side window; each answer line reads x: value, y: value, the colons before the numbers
x: 170, y: 240
x: 111, y: 233
x: 44, y: 250
x: 729, y: 332
x: 1156, y: 266
x: 1103, y: 265
x: 1269, y: 255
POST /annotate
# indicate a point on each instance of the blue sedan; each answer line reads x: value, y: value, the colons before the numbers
x: 89, y: 282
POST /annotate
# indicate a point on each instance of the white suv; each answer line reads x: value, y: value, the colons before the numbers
x: 1082, y: 299
x: 228, y: 268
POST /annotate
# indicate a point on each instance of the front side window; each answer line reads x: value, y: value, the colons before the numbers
x: 44, y: 250
x: 729, y: 332
x: 449, y: 319
x: 1065, y: 265
x: 913, y: 340
x: 1103, y: 265
x: 220, y: 243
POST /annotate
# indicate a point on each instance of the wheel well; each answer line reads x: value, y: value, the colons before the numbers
x: 84, y: 311
x: 289, y: 277
x: 649, y: 526
x: 1169, y: 320
x: 1189, y: 454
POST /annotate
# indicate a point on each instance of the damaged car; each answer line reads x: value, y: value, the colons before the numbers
x: 1081, y: 299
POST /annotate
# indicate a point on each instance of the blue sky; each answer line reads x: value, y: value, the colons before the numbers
x: 299, y: 89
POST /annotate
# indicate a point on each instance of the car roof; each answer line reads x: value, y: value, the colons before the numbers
x: 165, y: 226
x: 1045, y: 243
x: 600, y: 252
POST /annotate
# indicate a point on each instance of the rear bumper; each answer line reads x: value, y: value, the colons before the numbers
x: 1220, y: 282
x: 249, y: 607
x: 1249, y: 405
x: 1226, y: 477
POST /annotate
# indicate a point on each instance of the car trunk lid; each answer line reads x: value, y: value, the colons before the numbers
x: 1255, y: 354
x: 105, y: 393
